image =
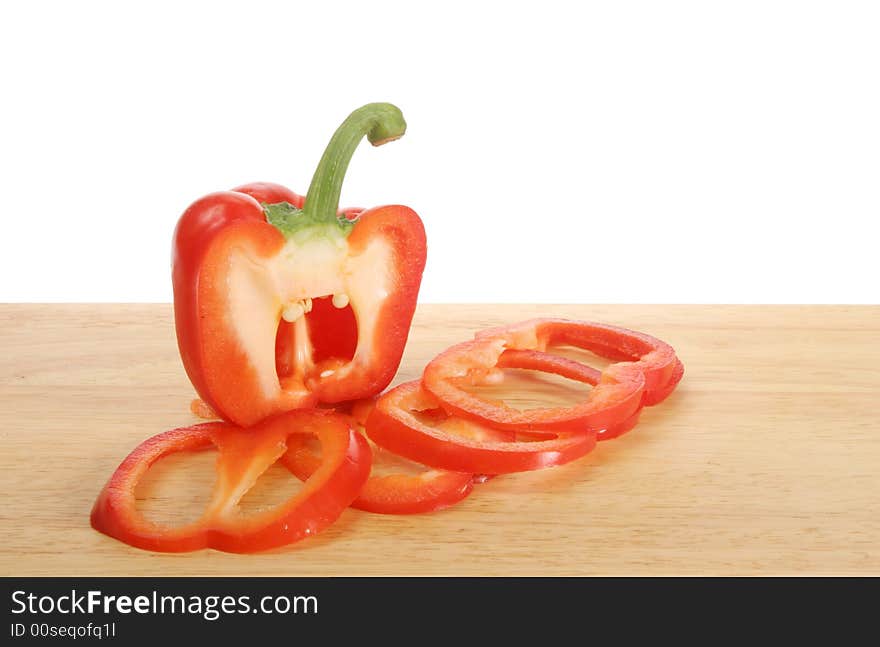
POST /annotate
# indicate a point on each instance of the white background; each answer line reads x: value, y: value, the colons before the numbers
x: 556, y: 151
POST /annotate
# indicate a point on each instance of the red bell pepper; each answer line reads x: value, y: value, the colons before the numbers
x: 410, y: 422
x: 649, y: 366
x: 280, y: 302
x: 403, y: 488
x: 244, y: 454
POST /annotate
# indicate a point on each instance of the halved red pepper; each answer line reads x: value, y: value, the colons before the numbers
x: 281, y: 303
x: 619, y: 391
x: 406, y: 489
x: 410, y: 422
x: 244, y: 454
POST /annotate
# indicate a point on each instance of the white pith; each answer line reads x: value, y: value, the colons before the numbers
x: 262, y: 290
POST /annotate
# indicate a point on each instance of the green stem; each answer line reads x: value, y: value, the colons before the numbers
x: 381, y: 123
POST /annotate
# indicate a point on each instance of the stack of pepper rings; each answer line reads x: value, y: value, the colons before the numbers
x: 292, y: 318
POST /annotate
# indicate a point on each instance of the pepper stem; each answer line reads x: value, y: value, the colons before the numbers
x: 381, y: 123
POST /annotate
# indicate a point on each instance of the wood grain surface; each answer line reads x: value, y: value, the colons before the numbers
x: 765, y: 461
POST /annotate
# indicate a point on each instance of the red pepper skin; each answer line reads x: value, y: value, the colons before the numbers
x: 397, y: 425
x: 271, y: 193
x: 615, y: 398
x: 244, y: 455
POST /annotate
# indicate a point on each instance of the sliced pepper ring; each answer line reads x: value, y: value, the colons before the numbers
x: 537, y: 360
x: 397, y: 425
x: 658, y: 395
x: 397, y: 492
x: 615, y: 398
x: 244, y: 454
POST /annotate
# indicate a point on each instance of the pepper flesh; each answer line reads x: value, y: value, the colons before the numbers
x: 242, y: 266
x: 332, y: 331
x: 244, y: 454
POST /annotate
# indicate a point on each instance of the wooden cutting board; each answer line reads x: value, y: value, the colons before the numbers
x: 765, y: 461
